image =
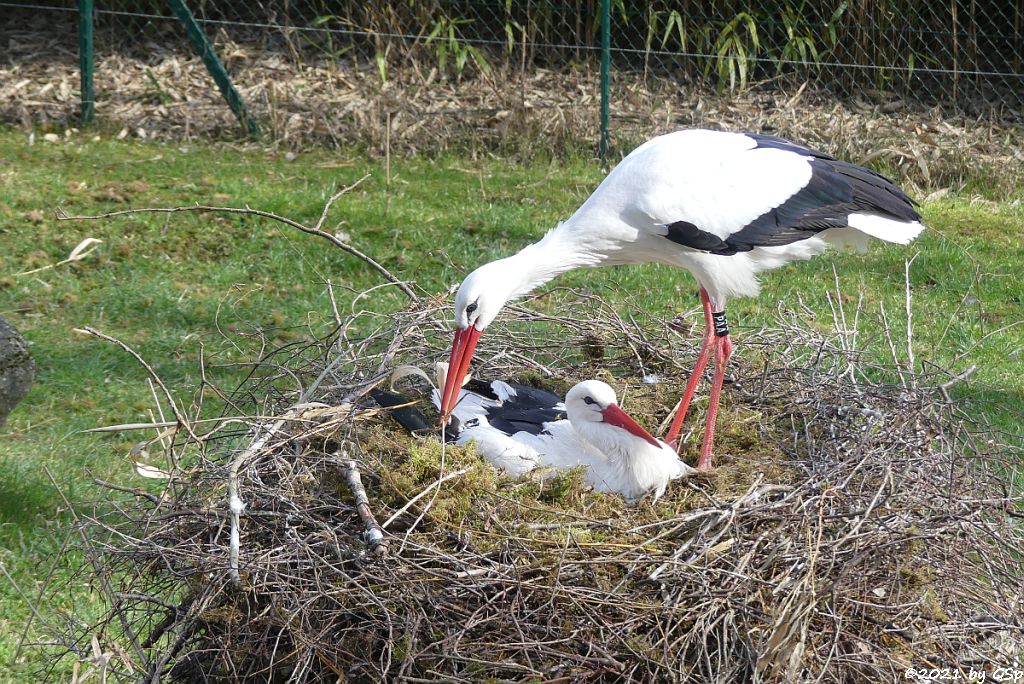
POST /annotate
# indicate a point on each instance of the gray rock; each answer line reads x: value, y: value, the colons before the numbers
x: 17, y: 369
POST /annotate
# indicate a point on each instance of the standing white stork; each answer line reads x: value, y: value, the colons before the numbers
x: 518, y: 428
x: 724, y: 206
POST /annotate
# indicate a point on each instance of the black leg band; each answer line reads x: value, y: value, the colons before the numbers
x: 721, y: 325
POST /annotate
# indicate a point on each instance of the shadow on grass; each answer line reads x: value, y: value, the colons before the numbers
x: 996, y: 413
x: 25, y: 491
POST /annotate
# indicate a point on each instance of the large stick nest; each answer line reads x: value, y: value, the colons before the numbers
x: 855, y: 524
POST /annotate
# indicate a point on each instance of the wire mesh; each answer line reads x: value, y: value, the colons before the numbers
x: 938, y: 51
x: 965, y: 53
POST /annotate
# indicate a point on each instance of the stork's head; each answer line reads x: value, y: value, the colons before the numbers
x: 594, y: 412
x: 477, y: 303
x: 482, y: 294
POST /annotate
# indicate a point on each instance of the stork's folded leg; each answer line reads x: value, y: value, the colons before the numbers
x: 706, y: 349
x: 723, y: 350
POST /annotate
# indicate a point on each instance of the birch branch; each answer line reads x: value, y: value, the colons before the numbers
x: 375, y: 538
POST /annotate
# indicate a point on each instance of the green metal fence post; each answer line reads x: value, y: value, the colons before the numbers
x: 205, y: 50
x: 85, y: 61
x: 606, y: 62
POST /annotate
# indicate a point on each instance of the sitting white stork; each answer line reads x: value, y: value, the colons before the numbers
x: 723, y: 206
x: 519, y: 428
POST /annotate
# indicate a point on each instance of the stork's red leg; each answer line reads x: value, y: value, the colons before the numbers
x: 723, y: 350
x: 706, y: 349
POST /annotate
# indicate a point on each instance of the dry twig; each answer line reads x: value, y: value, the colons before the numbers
x: 316, y: 229
x: 374, y: 532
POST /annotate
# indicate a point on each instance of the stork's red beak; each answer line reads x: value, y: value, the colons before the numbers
x: 613, y: 415
x: 462, y: 353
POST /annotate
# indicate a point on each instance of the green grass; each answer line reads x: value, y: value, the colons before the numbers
x: 168, y: 284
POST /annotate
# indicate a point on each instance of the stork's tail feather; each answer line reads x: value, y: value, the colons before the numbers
x: 890, y: 230
x: 440, y: 373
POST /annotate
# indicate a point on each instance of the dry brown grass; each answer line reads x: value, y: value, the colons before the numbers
x: 304, y: 100
x: 855, y: 525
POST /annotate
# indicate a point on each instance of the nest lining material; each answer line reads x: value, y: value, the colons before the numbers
x: 855, y: 525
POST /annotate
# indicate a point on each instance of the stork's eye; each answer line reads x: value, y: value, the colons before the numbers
x: 589, y: 400
x: 471, y: 308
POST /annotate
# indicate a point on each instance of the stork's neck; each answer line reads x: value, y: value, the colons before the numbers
x: 557, y: 252
x: 633, y: 463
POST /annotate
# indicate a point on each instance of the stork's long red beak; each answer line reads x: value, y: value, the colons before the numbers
x: 462, y: 353
x: 613, y: 415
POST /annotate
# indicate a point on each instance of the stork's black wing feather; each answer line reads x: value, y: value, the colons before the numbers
x: 481, y: 387
x: 511, y: 419
x: 527, y: 411
x: 526, y: 395
x: 776, y: 143
x: 409, y: 417
x: 835, y: 190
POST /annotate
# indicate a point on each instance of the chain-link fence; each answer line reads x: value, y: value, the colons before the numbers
x: 938, y: 51
x: 963, y: 54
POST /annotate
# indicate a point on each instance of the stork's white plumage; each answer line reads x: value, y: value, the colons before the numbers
x: 519, y: 428
x: 723, y: 206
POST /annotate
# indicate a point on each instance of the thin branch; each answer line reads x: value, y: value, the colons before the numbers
x: 101, y: 574
x: 897, y: 364
x: 910, y: 317
x: 28, y: 602
x: 178, y: 415
x: 955, y: 380
x: 980, y: 340
x: 334, y: 306
x: 315, y: 230
x: 235, y: 503
x: 134, y: 491
x: 429, y: 488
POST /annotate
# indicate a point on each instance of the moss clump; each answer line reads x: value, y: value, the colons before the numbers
x: 931, y: 607
x: 592, y: 346
x: 916, y: 575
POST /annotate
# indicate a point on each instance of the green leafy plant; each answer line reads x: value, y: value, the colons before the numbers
x: 673, y: 31
x: 158, y: 91
x: 652, y: 30
x: 735, y: 51
x: 800, y: 46
x: 447, y: 44
x: 327, y: 45
x: 620, y: 7
x: 514, y: 31
x: 674, y: 24
x: 919, y: 57
x: 833, y: 24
